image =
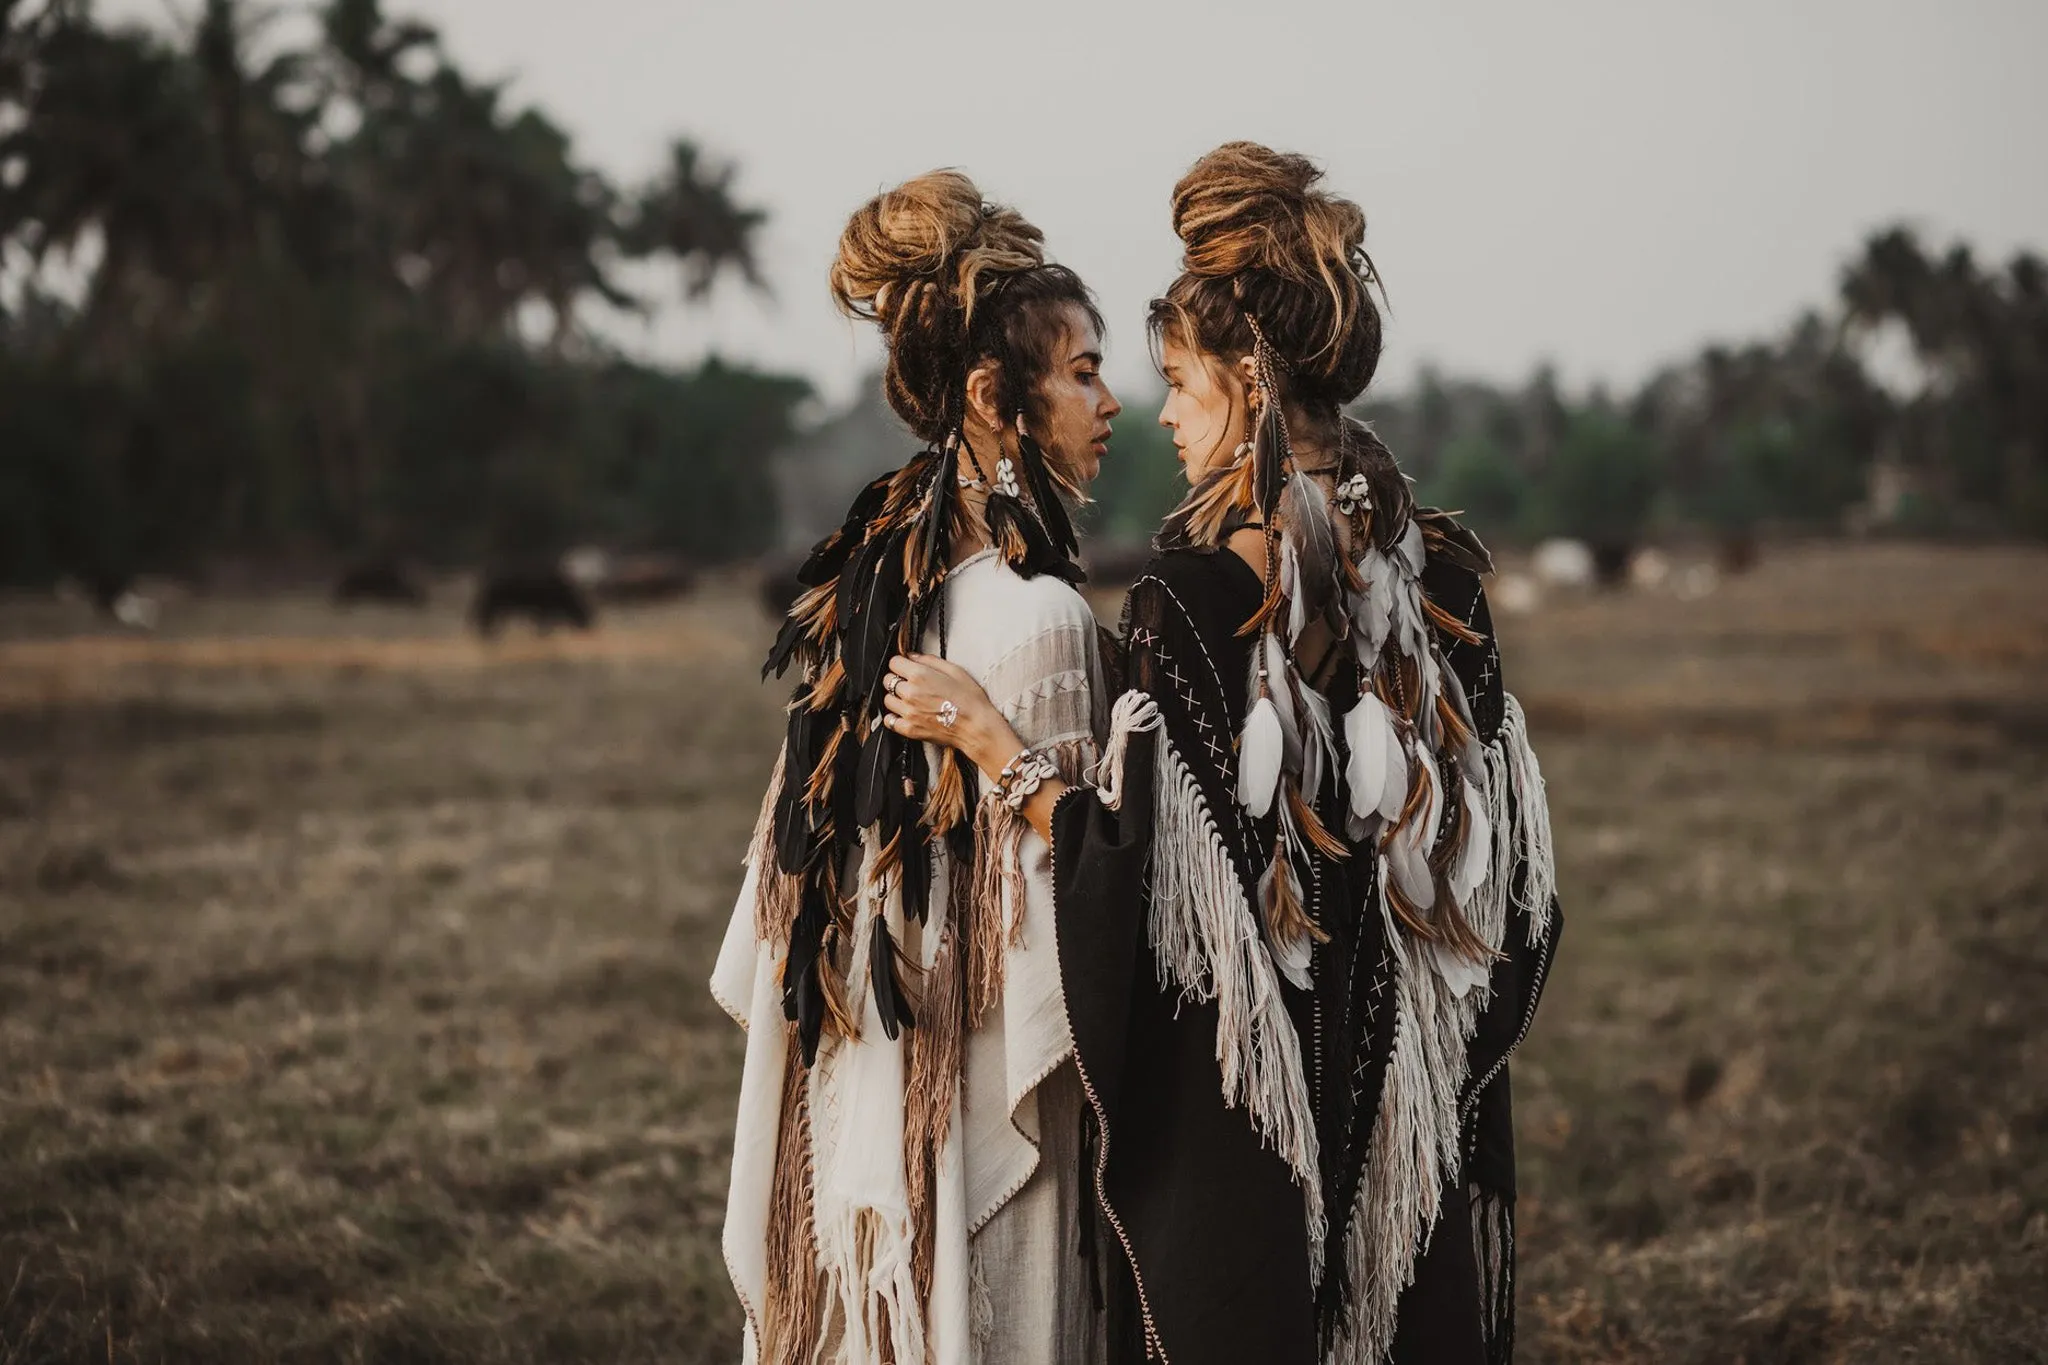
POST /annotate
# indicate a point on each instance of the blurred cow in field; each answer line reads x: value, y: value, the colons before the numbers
x: 379, y: 580
x: 644, y: 578
x: 544, y: 596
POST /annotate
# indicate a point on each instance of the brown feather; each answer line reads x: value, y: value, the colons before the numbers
x: 1274, y: 600
x: 1285, y: 914
x: 1448, y: 623
x: 1312, y: 827
x: 825, y: 691
x: 945, y: 805
x: 1456, y: 736
x: 1415, y: 921
x: 818, y: 788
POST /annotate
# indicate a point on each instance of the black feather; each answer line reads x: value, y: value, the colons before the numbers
x: 1269, y: 459
x: 960, y: 838
x: 1041, y: 556
x: 796, y: 824
x: 787, y: 641
x: 878, y: 773
x: 803, y: 992
x: 829, y: 555
x: 938, y: 517
x: 844, y: 797
x: 871, y: 613
x: 1045, y: 496
x: 882, y: 975
x: 917, y: 873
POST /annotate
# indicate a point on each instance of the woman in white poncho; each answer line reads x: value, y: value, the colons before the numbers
x: 906, y: 1170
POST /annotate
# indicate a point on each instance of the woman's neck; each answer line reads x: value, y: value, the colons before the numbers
x: 975, y: 467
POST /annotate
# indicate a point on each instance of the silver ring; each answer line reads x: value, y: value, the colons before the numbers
x: 948, y: 713
x: 891, y: 684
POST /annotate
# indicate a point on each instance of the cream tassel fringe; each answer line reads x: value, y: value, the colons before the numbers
x: 1417, y: 1140
x: 1532, y: 821
x: 1206, y: 940
x: 775, y: 892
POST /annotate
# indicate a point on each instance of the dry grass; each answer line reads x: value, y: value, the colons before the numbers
x: 352, y: 1004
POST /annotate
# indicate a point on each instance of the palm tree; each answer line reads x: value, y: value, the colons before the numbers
x: 688, y: 211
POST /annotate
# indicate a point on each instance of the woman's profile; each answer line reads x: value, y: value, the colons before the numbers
x: 906, y: 1167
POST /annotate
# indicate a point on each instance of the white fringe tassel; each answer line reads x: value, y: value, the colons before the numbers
x: 1134, y: 713
x: 1207, y: 942
x: 1532, y: 821
x: 1417, y: 1138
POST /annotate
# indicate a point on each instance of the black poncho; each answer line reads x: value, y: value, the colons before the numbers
x: 1214, y: 1247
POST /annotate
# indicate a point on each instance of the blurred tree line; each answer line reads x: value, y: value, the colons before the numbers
x: 1795, y: 433
x: 326, y: 303
x: 1787, y: 433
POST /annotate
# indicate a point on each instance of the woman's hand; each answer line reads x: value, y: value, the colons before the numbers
x: 916, y: 692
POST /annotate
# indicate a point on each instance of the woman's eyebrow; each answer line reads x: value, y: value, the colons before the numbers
x: 1087, y: 358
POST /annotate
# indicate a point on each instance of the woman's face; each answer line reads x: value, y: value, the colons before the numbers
x: 1075, y: 404
x: 1205, y: 409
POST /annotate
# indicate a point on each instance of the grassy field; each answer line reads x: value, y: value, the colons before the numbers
x: 352, y: 977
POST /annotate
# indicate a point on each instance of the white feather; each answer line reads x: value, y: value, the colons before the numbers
x: 1258, y: 757
x: 1411, y: 870
x: 1290, y: 586
x: 1475, y: 859
x: 1394, y: 787
x: 1318, y: 742
x: 1410, y: 849
x: 1411, y: 549
x: 1279, y: 686
x: 1373, y: 608
x: 1460, y: 973
x: 1368, y: 731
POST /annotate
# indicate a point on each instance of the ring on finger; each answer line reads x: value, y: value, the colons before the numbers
x: 948, y: 713
x: 892, y: 684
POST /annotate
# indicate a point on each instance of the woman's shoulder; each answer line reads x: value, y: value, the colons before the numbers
x: 1204, y: 588
x: 986, y: 583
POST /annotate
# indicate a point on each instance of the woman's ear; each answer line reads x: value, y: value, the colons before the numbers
x: 981, y: 397
x: 1248, y: 375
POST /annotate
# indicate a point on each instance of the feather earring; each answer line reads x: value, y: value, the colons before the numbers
x: 1043, y: 484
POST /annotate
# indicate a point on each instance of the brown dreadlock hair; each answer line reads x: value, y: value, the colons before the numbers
x: 1275, y: 268
x: 954, y: 282
x: 1260, y: 240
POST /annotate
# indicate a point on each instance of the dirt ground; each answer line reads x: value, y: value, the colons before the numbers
x: 352, y: 975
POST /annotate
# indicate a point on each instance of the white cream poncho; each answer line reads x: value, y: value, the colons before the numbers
x: 1002, y: 1261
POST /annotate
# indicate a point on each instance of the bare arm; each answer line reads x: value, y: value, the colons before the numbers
x: 917, y: 687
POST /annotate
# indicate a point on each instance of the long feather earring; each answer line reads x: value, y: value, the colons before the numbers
x: 1040, y: 479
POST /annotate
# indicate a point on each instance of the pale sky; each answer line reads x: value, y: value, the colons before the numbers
x: 1605, y: 183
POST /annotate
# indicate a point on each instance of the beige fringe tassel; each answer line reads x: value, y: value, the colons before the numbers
x: 1417, y: 1138
x: 1207, y: 942
x: 775, y: 891
x: 936, y: 1052
x: 790, y: 1317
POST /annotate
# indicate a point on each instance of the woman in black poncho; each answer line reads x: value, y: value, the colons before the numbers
x: 1305, y: 914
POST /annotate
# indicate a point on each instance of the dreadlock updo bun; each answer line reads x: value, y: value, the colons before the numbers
x: 1258, y: 237
x: 951, y: 280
